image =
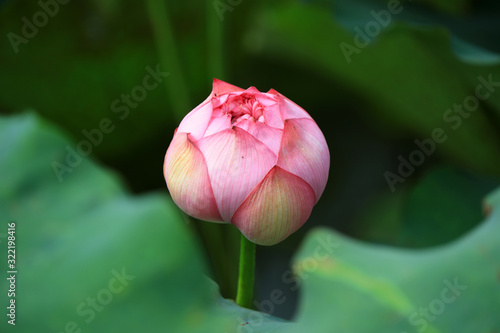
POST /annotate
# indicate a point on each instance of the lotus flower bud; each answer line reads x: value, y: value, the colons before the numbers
x: 252, y: 159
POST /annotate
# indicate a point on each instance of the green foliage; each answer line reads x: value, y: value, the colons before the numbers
x: 368, y: 288
x: 444, y: 205
x: 78, y: 64
x: 472, y: 26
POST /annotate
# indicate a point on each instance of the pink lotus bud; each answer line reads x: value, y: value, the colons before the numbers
x: 256, y: 160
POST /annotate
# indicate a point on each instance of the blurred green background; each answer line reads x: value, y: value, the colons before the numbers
x: 379, y: 77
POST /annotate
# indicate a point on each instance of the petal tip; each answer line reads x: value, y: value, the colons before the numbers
x: 220, y: 87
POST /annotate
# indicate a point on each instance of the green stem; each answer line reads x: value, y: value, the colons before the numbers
x: 244, y: 296
x: 169, y: 57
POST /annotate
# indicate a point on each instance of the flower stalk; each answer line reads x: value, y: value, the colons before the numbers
x: 246, y: 278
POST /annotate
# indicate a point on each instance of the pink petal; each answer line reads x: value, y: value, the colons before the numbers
x: 269, y: 136
x: 252, y: 90
x: 266, y: 99
x: 220, y: 87
x: 272, y: 116
x: 273, y: 92
x: 218, y: 124
x: 236, y: 163
x: 219, y: 100
x: 275, y: 209
x: 290, y: 110
x: 304, y: 152
x: 196, y: 121
x: 187, y: 179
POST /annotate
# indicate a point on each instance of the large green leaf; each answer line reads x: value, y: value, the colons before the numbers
x: 349, y: 286
x: 442, y: 206
x: 75, y: 237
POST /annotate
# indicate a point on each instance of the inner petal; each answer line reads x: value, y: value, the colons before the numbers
x: 268, y: 135
x: 244, y: 106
